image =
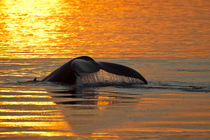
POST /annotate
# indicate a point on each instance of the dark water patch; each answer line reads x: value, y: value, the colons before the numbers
x: 183, y: 86
x: 94, y: 103
x: 75, y: 91
x: 194, y: 70
x: 161, y: 85
x: 77, y: 96
x: 83, y: 102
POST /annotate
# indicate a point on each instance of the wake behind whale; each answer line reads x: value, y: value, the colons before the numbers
x: 89, y: 73
x: 85, y: 70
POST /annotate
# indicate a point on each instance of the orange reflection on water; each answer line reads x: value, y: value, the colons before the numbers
x: 103, y: 135
x: 27, y: 103
x: 36, y: 133
x: 26, y: 26
x: 28, y: 111
x: 103, y: 101
x: 24, y: 96
x: 37, y: 125
x: 58, y: 28
x: 22, y: 91
x: 31, y: 117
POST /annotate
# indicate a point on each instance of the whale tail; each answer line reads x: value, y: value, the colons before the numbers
x: 121, y: 70
x: 84, y: 65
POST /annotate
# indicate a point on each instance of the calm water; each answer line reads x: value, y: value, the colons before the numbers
x: 166, y: 41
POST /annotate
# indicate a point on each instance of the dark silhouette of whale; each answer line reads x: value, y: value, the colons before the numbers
x: 83, y: 65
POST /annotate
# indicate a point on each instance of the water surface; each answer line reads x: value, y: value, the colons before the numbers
x: 167, y: 42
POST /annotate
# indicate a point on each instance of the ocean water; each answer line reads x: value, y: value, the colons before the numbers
x: 166, y: 41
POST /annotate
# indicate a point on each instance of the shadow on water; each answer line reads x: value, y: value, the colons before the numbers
x: 181, y: 86
x: 92, y: 94
x: 89, y: 88
x: 107, y: 106
x: 95, y: 90
x: 90, y: 97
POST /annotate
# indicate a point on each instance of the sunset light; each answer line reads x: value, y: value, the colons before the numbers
x: 105, y: 69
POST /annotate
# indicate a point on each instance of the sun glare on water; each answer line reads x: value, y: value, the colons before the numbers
x: 28, y: 27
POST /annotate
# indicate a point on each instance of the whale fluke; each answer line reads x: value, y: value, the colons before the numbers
x: 81, y: 66
x: 121, y: 70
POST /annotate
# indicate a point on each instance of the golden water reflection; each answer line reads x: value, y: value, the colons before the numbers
x: 36, y: 133
x: 30, y: 113
x: 24, y: 96
x: 26, y: 103
x: 137, y: 28
x: 30, y: 117
x: 22, y: 91
x: 27, y: 25
x: 64, y: 28
x: 112, y: 115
